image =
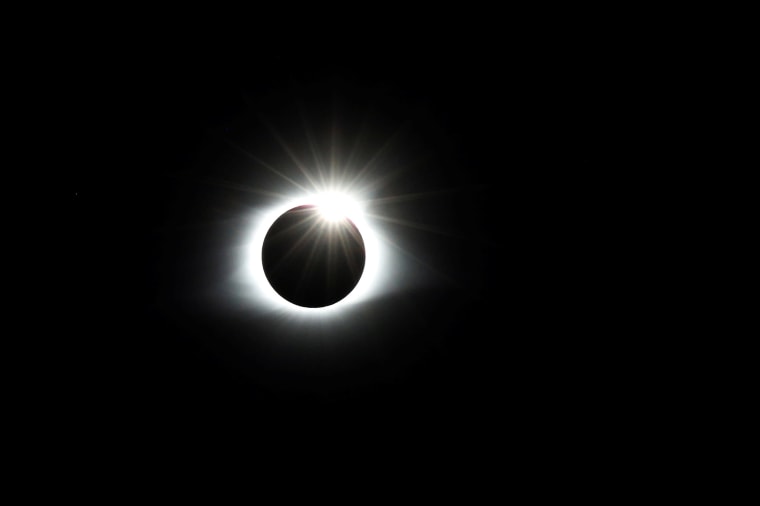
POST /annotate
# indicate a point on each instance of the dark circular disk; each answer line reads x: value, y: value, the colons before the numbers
x: 312, y: 261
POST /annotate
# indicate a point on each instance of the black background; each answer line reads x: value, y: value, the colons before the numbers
x: 518, y: 141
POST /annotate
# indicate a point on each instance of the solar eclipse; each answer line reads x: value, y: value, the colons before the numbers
x: 316, y: 255
x: 304, y: 248
x: 313, y: 256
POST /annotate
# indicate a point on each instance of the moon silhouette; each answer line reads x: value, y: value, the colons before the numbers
x: 313, y: 258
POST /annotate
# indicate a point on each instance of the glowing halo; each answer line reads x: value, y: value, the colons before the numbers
x: 336, y: 205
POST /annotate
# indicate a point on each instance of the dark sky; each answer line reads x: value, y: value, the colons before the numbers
x: 506, y: 148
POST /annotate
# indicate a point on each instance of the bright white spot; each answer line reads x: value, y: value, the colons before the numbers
x: 336, y: 206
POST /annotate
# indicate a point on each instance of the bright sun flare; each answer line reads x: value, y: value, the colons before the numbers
x: 336, y: 206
